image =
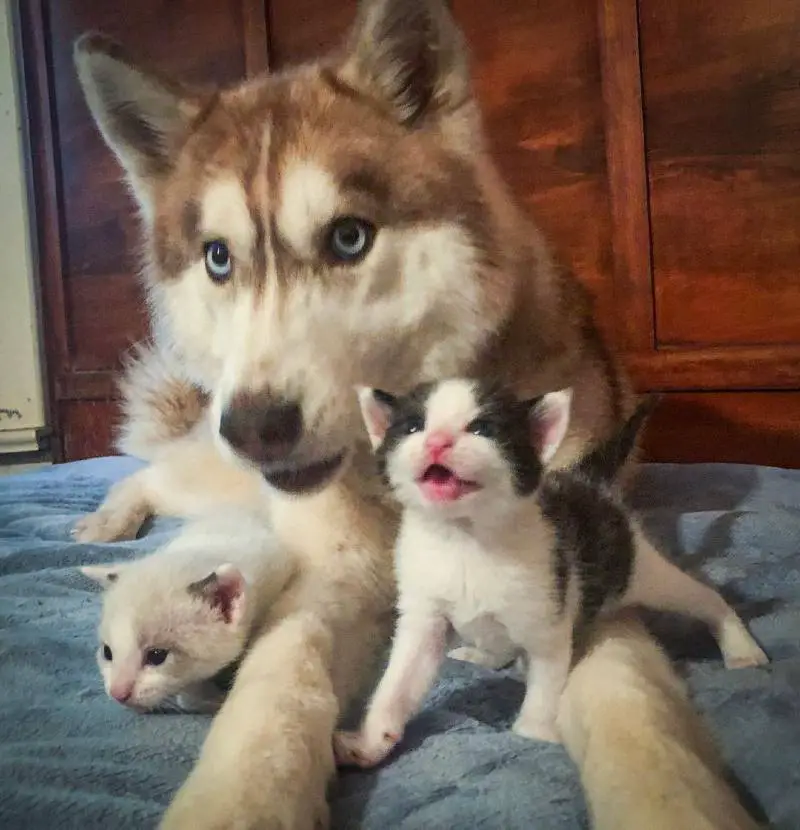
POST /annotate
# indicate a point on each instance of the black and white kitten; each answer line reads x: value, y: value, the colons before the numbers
x: 510, y: 557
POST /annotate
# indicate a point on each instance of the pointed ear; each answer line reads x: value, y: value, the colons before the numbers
x: 103, y: 575
x: 141, y: 115
x: 377, y: 410
x: 224, y: 590
x: 410, y: 57
x: 549, y: 421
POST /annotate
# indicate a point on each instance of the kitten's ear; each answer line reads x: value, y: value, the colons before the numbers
x: 377, y: 410
x: 549, y: 421
x: 104, y: 575
x: 224, y: 591
x: 141, y: 114
x: 409, y: 57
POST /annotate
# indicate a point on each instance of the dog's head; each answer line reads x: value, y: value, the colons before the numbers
x: 311, y: 230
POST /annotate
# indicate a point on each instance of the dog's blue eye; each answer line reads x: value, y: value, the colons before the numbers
x: 481, y: 427
x: 218, y: 260
x: 107, y: 655
x: 350, y: 239
x: 155, y: 656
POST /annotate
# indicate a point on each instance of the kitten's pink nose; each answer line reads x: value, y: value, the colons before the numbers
x: 437, y: 443
x: 122, y: 692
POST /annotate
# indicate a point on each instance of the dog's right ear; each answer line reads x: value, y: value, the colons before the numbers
x: 410, y: 57
x: 377, y: 410
x: 140, y: 114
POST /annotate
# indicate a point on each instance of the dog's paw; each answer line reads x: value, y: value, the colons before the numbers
x: 106, y: 526
x: 537, y: 729
x: 361, y: 749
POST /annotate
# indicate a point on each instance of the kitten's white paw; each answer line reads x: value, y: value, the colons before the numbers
x: 754, y: 656
x: 470, y: 654
x: 537, y: 729
x: 739, y: 649
x: 363, y: 749
x: 106, y: 526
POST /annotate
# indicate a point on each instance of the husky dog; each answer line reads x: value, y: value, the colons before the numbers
x: 307, y: 231
x: 176, y: 619
x: 489, y: 543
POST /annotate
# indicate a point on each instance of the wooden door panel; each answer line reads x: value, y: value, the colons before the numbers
x: 721, y: 88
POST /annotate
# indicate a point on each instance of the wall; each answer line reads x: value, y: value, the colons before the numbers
x: 21, y: 395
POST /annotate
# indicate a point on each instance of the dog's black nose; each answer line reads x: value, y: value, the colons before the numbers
x: 263, y: 430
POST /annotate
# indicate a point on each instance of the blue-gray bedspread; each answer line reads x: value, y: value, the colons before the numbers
x: 72, y: 758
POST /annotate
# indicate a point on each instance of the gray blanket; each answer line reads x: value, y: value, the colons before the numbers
x: 71, y: 757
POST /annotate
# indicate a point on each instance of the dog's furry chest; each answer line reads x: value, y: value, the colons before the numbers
x: 472, y: 583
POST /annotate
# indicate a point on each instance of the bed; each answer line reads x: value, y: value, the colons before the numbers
x: 72, y: 758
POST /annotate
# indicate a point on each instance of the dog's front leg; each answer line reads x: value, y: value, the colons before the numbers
x: 268, y: 757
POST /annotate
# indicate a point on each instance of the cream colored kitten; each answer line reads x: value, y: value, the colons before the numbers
x: 176, y: 618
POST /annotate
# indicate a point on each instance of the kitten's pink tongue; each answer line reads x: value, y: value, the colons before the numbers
x: 439, y: 484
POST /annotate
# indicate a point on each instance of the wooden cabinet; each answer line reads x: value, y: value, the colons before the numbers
x: 658, y: 145
x: 704, y: 114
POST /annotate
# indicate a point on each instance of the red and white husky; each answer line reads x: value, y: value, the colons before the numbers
x: 335, y: 225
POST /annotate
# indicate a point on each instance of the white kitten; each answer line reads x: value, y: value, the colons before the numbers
x: 174, y: 619
x: 496, y: 549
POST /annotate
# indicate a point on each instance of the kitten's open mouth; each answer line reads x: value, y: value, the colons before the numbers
x: 305, y: 479
x: 441, y: 484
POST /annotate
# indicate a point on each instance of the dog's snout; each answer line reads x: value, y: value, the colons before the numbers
x: 263, y: 430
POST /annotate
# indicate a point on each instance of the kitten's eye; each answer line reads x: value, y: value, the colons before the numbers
x: 107, y: 655
x: 481, y: 427
x: 350, y: 239
x: 412, y: 425
x: 218, y: 260
x: 155, y: 656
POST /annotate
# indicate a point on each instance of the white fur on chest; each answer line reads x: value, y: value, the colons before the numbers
x: 490, y: 588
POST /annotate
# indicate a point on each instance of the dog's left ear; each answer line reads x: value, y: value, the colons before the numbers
x: 549, y: 421
x: 411, y: 57
x: 377, y: 410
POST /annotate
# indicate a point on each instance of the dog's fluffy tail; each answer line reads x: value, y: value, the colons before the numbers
x: 605, y: 462
x: 159, y: 403
x: 645, y: 757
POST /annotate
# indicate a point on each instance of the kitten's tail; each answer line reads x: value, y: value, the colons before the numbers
x: 605, y: 462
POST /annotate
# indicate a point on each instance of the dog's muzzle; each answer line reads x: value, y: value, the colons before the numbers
x: 266, y: 432
x: 307, y: 478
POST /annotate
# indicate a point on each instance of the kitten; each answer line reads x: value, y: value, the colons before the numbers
x: 490, y: 543
x: 174, y: 620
